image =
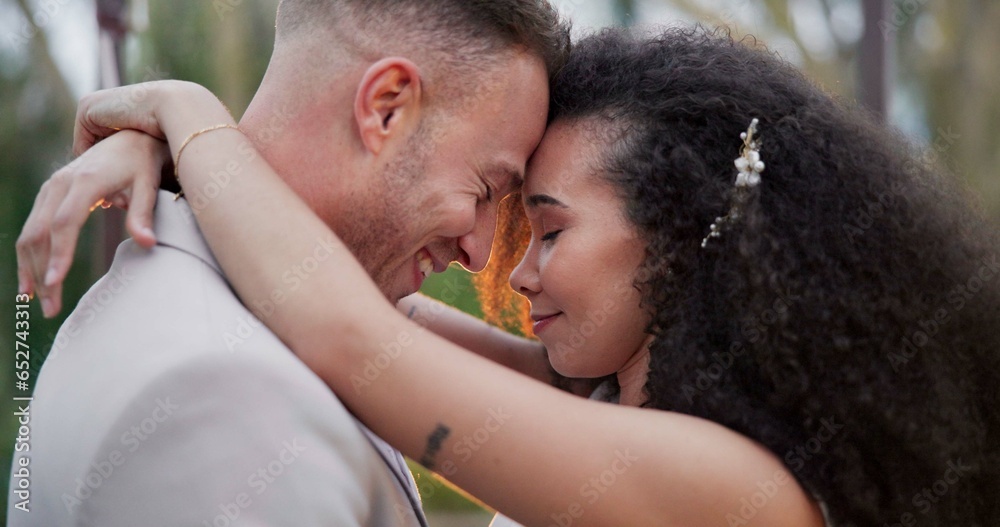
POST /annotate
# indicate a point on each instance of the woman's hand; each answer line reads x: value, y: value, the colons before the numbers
x: 124, y: 171
x: 162, y: 109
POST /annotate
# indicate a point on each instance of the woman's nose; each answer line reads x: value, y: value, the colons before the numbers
x: 524, y: 278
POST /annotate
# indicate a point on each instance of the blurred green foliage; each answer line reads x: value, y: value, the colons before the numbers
x: 946, y: 70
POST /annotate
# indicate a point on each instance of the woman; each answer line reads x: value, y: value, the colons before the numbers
x: 808, y: 336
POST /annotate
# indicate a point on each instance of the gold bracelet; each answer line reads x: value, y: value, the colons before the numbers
x: 177, y: 161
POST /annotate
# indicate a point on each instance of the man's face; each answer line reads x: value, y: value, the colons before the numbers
x: 435, y: 201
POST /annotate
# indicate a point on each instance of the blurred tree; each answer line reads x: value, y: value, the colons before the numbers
x: 948, y: 59
x: 36, y: 124
x: 802, y: 32
x: 943, y: 65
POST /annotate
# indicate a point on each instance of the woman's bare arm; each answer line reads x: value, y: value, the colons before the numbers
x: 517, y: 353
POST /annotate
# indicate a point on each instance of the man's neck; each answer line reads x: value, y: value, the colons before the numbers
x: 288, y: 133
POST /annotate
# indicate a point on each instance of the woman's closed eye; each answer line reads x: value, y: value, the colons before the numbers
x: 551, y: 235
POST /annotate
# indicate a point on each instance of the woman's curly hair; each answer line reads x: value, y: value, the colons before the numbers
x: 848, y: 321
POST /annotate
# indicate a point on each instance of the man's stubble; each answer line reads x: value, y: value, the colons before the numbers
x: 387, y: 218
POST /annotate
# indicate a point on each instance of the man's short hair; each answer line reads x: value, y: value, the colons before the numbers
x: 458, y: 33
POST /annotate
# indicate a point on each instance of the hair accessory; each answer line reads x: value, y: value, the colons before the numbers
x: 749, y: 167
x: 177, y: 161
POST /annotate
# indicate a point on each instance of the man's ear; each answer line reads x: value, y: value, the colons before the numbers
x: 388, y: 101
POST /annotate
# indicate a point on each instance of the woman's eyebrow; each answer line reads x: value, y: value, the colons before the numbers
x: 536, y: 200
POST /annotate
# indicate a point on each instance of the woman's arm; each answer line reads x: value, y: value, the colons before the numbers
x: 484, y: 339
x: 538, y: 454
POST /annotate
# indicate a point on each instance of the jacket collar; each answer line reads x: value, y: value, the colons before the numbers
x: 175, y: 226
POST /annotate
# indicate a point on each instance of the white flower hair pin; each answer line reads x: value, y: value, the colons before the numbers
x: 748, y: 166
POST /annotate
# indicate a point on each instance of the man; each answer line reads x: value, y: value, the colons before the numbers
x: 402, y: 123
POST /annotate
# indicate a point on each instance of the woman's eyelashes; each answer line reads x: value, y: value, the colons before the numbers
x: 549, y: 227
x: 551, y: 235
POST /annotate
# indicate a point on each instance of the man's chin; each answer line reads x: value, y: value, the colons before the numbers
x: 394, y: 293
x: 395, y: 298
x: 400, y: 283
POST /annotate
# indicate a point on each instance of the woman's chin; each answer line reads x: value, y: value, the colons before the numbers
x: 574, y: 369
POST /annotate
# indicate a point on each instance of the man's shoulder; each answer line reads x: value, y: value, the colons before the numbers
x: 205, y: 422
x: 162, y: 317
x: 162, y: 297
x: 234, y: 379
x: 88, y: 398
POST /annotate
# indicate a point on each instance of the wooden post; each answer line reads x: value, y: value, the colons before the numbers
x: 113, y: 24
x: 875, y: 53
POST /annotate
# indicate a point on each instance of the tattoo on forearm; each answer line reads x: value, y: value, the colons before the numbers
x: 434, y: 442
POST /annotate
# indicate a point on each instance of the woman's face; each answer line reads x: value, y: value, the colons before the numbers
x: 580, y: 265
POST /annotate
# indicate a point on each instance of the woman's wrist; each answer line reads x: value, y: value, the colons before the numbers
x: 184, y: 111
x: 183, y: 108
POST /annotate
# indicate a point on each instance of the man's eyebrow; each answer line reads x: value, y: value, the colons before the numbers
x: 510, y: 171
x: 537, y: 200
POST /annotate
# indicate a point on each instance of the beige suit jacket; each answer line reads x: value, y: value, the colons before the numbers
x: 165, y: 403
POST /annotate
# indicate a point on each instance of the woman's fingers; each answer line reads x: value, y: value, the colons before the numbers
x: 123, y: 171
x: 35, y: 240
x: 139, y: 220
x: 140, y: 205
x: 30, y: 237
x: 94, y: 123
x: 85, y: 194
x: 103, y: 113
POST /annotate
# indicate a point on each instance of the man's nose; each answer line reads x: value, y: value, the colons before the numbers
x: 474, y: 247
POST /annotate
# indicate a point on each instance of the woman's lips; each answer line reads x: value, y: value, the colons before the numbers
x: 544, y: 322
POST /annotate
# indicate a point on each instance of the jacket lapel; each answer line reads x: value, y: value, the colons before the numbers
x: 397, y: 465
